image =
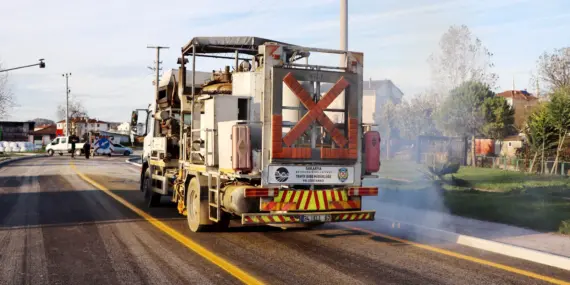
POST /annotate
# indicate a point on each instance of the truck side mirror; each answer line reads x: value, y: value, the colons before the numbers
x: 134, y: 118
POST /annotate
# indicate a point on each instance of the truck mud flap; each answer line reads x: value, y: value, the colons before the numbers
x: 312, y: 217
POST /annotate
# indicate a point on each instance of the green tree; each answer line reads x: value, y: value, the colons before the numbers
x: 499, y: 118
x: 559, y: 111
x: 540, y: 134
x: 462, y: 112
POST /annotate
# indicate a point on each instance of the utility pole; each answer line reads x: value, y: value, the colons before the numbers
x: 66, y: 75
x: 343, y: 30
x: 157, y: 64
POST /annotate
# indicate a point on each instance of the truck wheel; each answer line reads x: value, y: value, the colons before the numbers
x: 50, y: 152
x: 78, y: 152
x: 61, y: 153
x: 151, y: 198
x: 193, y: 206
x: 197, y: 206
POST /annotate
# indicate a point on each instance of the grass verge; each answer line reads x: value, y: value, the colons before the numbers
x: 532, y: 201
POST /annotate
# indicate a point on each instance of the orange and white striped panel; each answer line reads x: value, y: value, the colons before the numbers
x: 269, y: 219
x: 353, y: 217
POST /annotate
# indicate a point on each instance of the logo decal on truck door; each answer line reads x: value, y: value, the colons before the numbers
x: 282, y: 174
x: 342, y: 174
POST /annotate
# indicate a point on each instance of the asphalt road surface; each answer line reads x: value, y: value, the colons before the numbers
x: 55, y: 228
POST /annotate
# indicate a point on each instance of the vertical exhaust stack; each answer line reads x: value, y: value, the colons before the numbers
x: 338, y: 103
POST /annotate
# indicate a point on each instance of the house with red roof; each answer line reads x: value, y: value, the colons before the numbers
x: 522, y: 102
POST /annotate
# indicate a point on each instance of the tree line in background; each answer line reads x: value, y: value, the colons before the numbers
x: 461, y: 100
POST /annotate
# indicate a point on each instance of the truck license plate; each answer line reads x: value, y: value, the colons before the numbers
x: 315, y: 218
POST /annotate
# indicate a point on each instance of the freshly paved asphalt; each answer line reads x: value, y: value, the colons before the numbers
x: 57, y: 229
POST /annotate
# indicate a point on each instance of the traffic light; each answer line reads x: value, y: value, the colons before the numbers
x: 42, y: 63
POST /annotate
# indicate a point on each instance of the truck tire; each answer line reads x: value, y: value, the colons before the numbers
x: 50, y: 152
x: 78, y: 152
x: 151, y: 198
x: 196, y: 206
x: 193, y: 206
x: 61, y: 154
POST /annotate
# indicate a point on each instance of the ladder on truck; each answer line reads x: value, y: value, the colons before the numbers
x: 214, y: 196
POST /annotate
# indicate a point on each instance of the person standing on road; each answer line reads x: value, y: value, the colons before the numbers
x: 73, y: 139
x: 87, y: 149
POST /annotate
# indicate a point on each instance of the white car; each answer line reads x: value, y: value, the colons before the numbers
x: 121, y: 149
x: 61, y: 145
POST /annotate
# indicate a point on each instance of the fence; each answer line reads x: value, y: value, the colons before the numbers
x: 523, y: 165
x: 430, y: 148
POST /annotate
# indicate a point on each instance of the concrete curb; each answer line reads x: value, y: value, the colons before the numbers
x: 133, y: 163
x: 532, y: 255
x: 8, y: 161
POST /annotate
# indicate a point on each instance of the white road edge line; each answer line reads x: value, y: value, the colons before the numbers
x: 532, y: 255
x: 132, y: 163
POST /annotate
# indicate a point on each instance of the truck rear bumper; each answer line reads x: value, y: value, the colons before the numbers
x: 303, y: 218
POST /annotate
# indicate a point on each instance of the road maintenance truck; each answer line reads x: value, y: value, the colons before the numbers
x: 272, y: 141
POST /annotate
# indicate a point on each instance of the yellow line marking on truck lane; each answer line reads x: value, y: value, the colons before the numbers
x: 210, y: 256
x: 465, y: 257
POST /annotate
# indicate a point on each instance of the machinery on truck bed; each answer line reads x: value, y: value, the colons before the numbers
x: 266, y: 143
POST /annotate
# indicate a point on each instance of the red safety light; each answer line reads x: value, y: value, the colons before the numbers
x: 363, y: 191
x: 260, y: 192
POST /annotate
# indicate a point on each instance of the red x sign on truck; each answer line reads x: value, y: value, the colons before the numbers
x: 315, y: 110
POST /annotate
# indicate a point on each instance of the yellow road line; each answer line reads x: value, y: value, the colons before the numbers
x: 465, y: 257
x: 210, y: 256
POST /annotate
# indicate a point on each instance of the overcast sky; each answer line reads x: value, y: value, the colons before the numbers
x: 103, y: 43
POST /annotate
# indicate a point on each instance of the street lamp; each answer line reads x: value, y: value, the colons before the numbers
x: 41, y: 64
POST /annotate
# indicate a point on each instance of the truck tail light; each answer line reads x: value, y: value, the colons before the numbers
x: 363, y: 191
x: 260, y: 192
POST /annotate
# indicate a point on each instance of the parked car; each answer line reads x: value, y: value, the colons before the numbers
x: 121, y: 149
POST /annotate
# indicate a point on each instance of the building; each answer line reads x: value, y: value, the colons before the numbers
x: 83, y: 125
x: 510, y: 145
x: 114, y: 126
x: 376, y: 94
x: 16, y: 131
x: 522, y: 102
x: 124, y: 128
x: 44, y: 135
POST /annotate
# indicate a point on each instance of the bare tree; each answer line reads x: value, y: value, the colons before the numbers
x: 417, y: 117
x: 553, y: 69
x: 460, y: 58
x: 76, y: 110
x: 6, y: 99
